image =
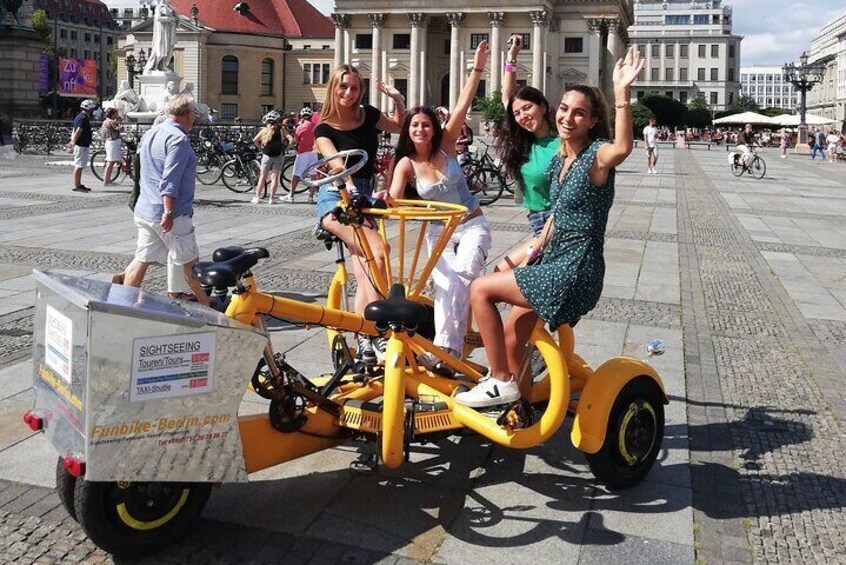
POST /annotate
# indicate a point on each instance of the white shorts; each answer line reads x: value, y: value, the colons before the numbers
x: 80, y: 156
x: 179, y: 244
x: 272, y: 163
x: 113, y: 154
x: 303, y: 162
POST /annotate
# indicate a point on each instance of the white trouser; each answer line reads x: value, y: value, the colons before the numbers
x: 462, y: 261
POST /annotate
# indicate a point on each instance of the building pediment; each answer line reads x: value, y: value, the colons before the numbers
x: 572, y: 75
x: 395, y: 65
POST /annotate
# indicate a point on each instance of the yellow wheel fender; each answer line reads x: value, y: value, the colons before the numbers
x: 598, y: 398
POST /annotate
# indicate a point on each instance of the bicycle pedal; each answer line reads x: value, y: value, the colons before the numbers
x: 366, y: 464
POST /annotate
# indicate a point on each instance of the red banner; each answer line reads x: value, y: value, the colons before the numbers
x: 77, y: 77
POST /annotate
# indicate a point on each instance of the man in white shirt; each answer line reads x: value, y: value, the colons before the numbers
x: 650, y: 139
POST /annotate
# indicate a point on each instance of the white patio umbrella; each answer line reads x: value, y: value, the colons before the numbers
x: 792, y: 120
x: 747, y: 118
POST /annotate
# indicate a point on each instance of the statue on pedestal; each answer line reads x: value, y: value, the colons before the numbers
x: 10, y: 7
x: 164, y: 38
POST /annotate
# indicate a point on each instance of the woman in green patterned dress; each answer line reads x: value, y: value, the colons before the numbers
x: 567, y: 281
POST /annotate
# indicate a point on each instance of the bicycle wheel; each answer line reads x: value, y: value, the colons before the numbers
x: 487, y: 184
x: 208, y: 169
x: 97, y: 164
x: 236, y: 177
x: 737, y: 168
x: 758, y: 168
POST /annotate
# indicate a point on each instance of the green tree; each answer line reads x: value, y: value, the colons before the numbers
x: 744, y: 104
x: 490, y: 107
x: 668, y: 111
x: 698, y: 102
x: 41, y: 25
x: 772, y: 112
x: 640, y: 118
x: 698, y: 118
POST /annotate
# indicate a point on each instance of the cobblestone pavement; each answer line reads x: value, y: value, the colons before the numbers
x: 765, y: 396
x: 750, y: 275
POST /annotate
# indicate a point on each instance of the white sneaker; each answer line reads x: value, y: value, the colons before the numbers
x: 287, y: 198
x: 255, y: 200
x: 272, y: 200
x: 489, y: 392
x: 380, y: 345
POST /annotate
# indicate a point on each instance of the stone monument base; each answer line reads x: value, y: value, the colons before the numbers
x: 20, y: 51
x: 153, y: 87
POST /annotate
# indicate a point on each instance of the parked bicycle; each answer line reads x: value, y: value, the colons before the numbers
x: 484, y: 174
x: 122, y: 170
x: 241, y: 172
x: 754, y: 165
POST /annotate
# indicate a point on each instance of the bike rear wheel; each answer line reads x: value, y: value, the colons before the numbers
x: 737, y: 168
x: 97, y: 164
x: 487, y: 184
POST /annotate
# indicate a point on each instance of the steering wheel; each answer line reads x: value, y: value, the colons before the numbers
x: 323, y: 177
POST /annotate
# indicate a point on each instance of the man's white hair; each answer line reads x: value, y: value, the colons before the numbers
x: 180, y: 105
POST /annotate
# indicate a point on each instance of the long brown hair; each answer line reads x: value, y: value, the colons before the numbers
x: 330, y: 112
x: 513, y: 142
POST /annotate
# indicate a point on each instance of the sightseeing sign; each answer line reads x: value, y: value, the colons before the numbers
x: 77, y: 77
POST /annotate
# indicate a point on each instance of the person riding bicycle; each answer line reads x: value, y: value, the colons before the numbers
x: 272, y: 144
x: 427, y: 157
x: 745, y: 142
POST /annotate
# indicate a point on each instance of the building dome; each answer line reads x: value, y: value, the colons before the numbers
x: 280, y: 18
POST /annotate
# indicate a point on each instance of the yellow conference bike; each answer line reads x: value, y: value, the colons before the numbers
x: 140, y: 394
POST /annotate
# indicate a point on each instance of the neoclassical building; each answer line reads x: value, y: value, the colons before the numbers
x: 425, y: 50
x: 828, y: 98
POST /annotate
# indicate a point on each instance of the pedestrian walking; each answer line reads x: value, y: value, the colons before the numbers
x: 110, y: 132
x: 80, y: 142
x: 783, y: 143
x: 566, y: 282
x: 272, y: 144
x: 650, y: 140
x: 165, y: 208
x: 306, y: 156
x: 831, y: 141
x: 817, y: 144
x: 526, y: 139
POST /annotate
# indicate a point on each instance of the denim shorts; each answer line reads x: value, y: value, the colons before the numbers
x: 538, y: 219
x: 328, y: 198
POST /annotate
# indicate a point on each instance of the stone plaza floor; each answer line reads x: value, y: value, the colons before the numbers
x: 743, y: 279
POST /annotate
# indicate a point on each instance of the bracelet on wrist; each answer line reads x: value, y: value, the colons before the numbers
x: 511, y: 61
x: 621, y: 105
x: 478, y: 70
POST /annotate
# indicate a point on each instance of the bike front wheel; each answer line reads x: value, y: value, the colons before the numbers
x: 208, y: 170
x: 236, y: 177
x: 758, y: 168
x: 487, y: 184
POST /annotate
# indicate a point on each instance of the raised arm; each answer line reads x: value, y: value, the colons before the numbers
x: 392, y: 124
x: 509, y: 76
x: 611, y: 155
x: 452, y: 130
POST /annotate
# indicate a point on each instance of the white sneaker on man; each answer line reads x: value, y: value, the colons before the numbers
x: 489, y: 392
x: 273, y: 200
x: 287, y: 198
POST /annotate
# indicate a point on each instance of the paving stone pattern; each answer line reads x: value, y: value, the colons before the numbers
x: 762, y: 426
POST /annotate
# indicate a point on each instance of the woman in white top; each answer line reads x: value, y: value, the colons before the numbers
x: 831, y: 140
x: 110, y: 132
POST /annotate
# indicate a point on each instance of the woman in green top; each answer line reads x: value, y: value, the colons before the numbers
x: 526, y: 139
x: 567, y: 282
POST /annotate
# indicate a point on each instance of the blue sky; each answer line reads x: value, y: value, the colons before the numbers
x: 774, y: 31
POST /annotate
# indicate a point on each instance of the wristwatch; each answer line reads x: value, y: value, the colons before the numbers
x: 168, y: 213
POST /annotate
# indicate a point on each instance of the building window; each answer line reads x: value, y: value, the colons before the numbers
x: 480, y: 91
x: 228, y: 111
x: 402, y: 41
x: 654, y: 74
x: 73, y: 35
x: 700, y: 19
x: 364, y: 41
x: 701, y: 51
x: 715, y: 51
x: 683, y: 97
x: 683, y: 73
x: 63, y: 33
x: 96, y: 38
x: 744, y: 78
x: 267, y: 77
x: 677, y: 20
x: 715, y: 74
x: 87, y: 54
x: 88, y: 38
x: 731, y: 75
x: 669, y: 94
x: 700, y: 74
x: 315, y: 73
x: 714, y: 98
x: 641, y: 49
x: 229, y: 75
x: 401, y: 84
x: 731, y: 51
x: 669, y: 52
x: 527, y: 41
x: 668, y: 73
x: 576, y: 45
x: 74, y: 53
x: 683, y: 51
x: 477, y: 38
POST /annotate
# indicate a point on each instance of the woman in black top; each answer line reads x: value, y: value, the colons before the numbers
x: 346, y: 124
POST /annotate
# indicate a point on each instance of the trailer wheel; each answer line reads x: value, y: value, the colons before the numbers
x: 65, y: 483
x: 130, y: 519
x: 634, y: 435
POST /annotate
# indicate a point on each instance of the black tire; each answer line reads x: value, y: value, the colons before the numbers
x: 638, y: 412
x: 65, y: 483
x: 208, y: 170
x: 131, y: 519
x: 758, y: 168
x: 236, y: 177
x: 286, y: 177
x: 487, y: 184
x: 737, y: 168
x: 97, y: 164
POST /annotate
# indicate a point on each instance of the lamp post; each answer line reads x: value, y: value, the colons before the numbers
x: 129, y: 61
x: 803, y: 77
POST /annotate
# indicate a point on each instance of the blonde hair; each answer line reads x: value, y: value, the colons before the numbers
x: 180, y: 105
x: 268, y: 132
x: 330, y: 111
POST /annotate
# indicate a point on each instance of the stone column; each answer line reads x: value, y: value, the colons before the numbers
x: 377, y: 21
x: 594, y: 26
x: 424, y: 43
x: 384, y: 100
x: 455, y: 70
x: 416, y: 21
x: 341, y: 21
x: 540, y: 20
x: 496, y: 19
x: 612, y: 50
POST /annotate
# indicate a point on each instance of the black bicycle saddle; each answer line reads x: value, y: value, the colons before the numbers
x: 396, y: 309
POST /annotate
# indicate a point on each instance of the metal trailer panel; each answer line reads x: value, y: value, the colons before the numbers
x: 155, y: 384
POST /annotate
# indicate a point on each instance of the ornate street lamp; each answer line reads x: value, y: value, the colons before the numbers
x: 130, y: 69
x: 803, y: 77
x: 141, y: 62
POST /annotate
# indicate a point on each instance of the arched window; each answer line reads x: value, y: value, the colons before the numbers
x: 229, y: 75
x: 267, y: 77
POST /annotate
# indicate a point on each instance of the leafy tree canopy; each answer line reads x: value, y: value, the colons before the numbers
x: 744, y: 104
x: 640, y: 118
x: 668, y: 111
x: 698, y: 103
x: 490, y: 107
